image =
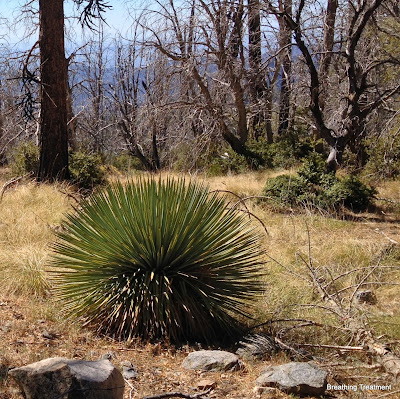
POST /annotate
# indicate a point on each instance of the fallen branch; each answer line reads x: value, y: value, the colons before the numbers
x: 246, y: 210
x: 69, y: 195
x: 8, y: 184
x: 132, y: 388
x: 387, y: 394
x: 289, y: 348
x: 180, y: 395
x: 338, y: 347
x: 334, y: 303
x: 360, y: 366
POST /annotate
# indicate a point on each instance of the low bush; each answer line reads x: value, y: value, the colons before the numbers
x: 87, y: 170
x: 384, y: 156
x: 351, y: 193
x: 313, y: 169
x: 227, y: 163
x: 286, y: 190
x: 125, y: 162
x: 25, y: 159
x: 314, y: 187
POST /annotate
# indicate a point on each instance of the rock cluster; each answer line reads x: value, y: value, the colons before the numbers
x: 80, y: 379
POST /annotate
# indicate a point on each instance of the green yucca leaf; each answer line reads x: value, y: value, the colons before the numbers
x: 158, y: 259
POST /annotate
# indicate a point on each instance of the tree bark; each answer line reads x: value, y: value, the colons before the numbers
x: 53, y: 116
x: 257, y: 84
x: 285, y: 40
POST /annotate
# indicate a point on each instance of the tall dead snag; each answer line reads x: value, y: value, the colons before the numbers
x: 257, y: 84
x: 53, y: 72
x: 285, y: 47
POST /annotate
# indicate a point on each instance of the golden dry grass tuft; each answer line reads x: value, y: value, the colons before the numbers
x: 29, y: 213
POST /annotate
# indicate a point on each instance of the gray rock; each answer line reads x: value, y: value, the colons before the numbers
x: 296, y: 377
x: 367, y: 297
x: 207, y: 360
x: 129, y: 371
x: 108, y: 356
x: 73, y: 379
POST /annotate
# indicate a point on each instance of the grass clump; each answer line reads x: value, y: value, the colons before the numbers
x: 158, y: 260
x: 24, y: 272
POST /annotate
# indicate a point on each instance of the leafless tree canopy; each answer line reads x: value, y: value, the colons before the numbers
x: 199, y: 76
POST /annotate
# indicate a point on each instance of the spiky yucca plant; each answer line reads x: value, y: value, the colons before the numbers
x: 158, y: 259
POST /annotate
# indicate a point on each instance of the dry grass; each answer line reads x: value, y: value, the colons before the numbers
x: 29, y: 212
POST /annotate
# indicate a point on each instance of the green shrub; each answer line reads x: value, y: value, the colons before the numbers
x: 286, y: 189
x: 351, y: 193
x: 158, y: 259
x: 313, y: 168
x: 25, y: 159
x: 316, y: 188
x: 287, y: 151
x: 225, y: 160
x: 86, y: 170
x: 228, y: 162
x: 384, y: 156
x: 125, y: 162
x: 220, y: 159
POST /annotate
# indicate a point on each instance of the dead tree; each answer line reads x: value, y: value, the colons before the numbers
x: 216, y: 63
x: 285, y: 48
x: 354, y: 103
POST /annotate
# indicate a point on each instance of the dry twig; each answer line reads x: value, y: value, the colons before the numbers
x: 9, y: 183
x: 200, y: 395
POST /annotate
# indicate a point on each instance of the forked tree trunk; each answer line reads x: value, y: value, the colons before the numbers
x: 53, y: 116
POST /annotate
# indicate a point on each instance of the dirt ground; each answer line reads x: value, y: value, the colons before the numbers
x: 26, y: 337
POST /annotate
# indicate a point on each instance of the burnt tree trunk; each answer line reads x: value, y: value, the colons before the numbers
x: 256, y: 80
x: 53, y: 117
x: 285, y: 40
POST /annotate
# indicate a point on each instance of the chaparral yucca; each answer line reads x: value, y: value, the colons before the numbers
x: 158, y: 259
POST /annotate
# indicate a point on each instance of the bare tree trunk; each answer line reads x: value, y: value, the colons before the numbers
x: 53, y: 116
x: 268, y: 120
x: 257, y: 80
x: 71, y: 124
x: 2, y: 157
x: 285, y: 39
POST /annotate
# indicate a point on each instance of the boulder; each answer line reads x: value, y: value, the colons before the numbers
x: 208, y: 360
x: 73, y: 379
x: 296, y: 377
